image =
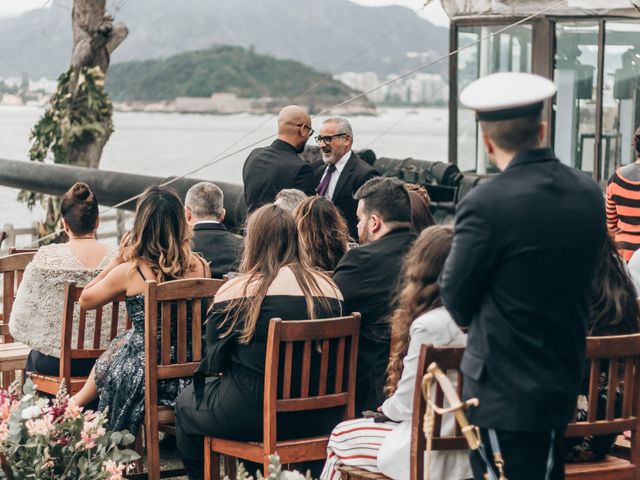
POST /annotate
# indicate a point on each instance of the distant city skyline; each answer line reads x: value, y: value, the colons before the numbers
x: 432, y: 12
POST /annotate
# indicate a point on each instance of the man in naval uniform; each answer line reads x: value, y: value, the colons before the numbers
x: 519, y: 276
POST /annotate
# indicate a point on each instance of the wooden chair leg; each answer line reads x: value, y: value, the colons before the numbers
x: 211, y: 462
x: 138, y: 447
x: 153, y: 449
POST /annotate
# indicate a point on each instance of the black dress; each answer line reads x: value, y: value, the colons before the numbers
x: 231, y: 405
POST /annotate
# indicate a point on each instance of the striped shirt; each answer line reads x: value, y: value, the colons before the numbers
x: 623, y: 210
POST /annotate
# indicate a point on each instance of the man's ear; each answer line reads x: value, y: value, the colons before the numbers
x: 187, y: 213
x: 376, y: 223
x: 488, y: 144
x: 223, y: 212
x: 542, y: 133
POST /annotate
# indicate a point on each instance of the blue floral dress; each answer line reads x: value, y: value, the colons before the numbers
x: 119, y: 374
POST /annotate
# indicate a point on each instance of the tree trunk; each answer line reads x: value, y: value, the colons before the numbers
x: 95, y: 37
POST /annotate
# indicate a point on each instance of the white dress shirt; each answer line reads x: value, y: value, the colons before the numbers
x: 336, y: 175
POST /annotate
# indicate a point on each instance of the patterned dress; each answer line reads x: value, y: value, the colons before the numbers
x: 119, y: 374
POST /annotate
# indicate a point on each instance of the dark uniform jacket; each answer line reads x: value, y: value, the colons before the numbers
x: 218, y: 246
x: 354, y: 174
x: 519, y: 276
x: 367, y: 277
x: 270, y: 169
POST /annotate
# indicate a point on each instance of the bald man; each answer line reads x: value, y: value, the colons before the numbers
x: 270, y: 169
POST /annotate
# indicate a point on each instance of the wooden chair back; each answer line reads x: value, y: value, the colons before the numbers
x: 11, y: 268
x: 174, y: 313
x: 622, y: 354
x: 335, y: 340
x: 86, y: 346
x: 448, y: 359
x: 13, y: 250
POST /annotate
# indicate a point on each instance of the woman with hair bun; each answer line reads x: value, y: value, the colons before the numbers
x: 37, y: 311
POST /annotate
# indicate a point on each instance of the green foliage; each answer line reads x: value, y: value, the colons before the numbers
x: 54, y: 439
x: 220, y: 69
x: 77, y: 113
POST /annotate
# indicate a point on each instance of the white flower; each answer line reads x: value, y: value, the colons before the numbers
x: 31, y: 412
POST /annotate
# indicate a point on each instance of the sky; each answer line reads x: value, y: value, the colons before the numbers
x: 432, y: 12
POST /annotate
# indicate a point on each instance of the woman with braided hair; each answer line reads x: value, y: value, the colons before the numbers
x: 384, y: 446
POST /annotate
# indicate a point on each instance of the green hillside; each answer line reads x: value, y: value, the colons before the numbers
x: 219, y: 69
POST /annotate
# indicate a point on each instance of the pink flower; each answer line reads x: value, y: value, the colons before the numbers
x: 91, y: 431
x: 72, y: 411
x: 40, y: 426
x: 113, y: 469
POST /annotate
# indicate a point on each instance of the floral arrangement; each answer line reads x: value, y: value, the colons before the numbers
x: 54, y: 439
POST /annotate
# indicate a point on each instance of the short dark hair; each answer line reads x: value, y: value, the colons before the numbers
x: 515, y: 134
x: 387, y: 198
x: 79, y: 209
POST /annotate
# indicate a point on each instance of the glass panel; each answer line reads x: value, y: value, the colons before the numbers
x: 576, y: 76
x: 509, y: 51
x: 621, y: 108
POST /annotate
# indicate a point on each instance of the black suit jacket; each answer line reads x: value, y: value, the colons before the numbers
x: 218, y: 246
x: 519, y: 276
x: 270, y: 169
x: 367, y: 277
x: 355, y: 173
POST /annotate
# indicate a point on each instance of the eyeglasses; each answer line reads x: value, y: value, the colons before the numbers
x: 303, y: 125
x: 328, y: 138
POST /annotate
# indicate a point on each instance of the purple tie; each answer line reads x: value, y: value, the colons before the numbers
x: 324, y: 184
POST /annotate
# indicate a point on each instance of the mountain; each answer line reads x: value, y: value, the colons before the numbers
x: 220, y: 69
x: 323, y: 34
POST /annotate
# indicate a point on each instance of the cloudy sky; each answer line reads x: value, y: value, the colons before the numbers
x: 432, y: 12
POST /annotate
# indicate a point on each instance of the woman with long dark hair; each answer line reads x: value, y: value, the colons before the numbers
x: 385, y: 446
x: 273, y: 282
x: 157, y: 248
x: 323, y: 234
x: 614, y: 311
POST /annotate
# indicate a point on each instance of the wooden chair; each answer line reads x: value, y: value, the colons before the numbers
x: 13, y: 250
x: 82, y: 349
x: 284, y: 337
x: 13, y: 355
x: 448, y: 359
x: 166, y: 313
x: 623, y: 356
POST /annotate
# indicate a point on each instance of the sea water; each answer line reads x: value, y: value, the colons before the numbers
x: 163, y: 144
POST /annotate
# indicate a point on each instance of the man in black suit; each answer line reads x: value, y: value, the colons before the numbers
x: 270, y: 169
x: 367, y: 277
x: 519, y: 277
x: 341, y: 172
x: 203, y: 206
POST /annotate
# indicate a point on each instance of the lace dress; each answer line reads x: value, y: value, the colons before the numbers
x: 119, y: 374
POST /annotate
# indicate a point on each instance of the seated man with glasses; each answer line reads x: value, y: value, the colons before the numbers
x: 268, y: 170
x: 341, y: 172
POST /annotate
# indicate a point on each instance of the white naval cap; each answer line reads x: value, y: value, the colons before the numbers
x: 507, y: 95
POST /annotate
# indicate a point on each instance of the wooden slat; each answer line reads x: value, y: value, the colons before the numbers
x: 600, y: 427
x: 627, y: 391
x: 166, y: 372
x: 324, y: 368
x: 97, y: 328
x: 82, y: 323
x: 196, y: 330
x: 288, y: 361
x: 306, y: 369
x: 165, y: 344
x: 437, y: 424
x: 313, y: 329
x: 114, y: 320
x: 612, y: 389
x: 181, y: 325
x: 87, y: 353
x: 312, y: 403
x: 613, y: 347
x: 594, y: 383
x: 340, y: 366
